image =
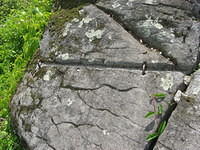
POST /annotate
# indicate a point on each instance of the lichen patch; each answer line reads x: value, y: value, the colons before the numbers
x: 92, y: 34
x: 67, y: 28
x: 63, y: 56
x: 167, y: 82
x: 150, y: 22
x: 150, y: 1
x: 48, y: 75
x: 85, y: 20
x: 116, y: 4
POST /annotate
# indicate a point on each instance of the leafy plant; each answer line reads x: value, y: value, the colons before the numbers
x: 156, y: 134
x: 22, y: 23
x: 157, y: 111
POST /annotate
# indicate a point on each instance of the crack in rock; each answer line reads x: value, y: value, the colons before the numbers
x: 73, y: 88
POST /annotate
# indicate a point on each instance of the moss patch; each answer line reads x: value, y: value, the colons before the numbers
x: 69, y: 4
x: 60, y: 17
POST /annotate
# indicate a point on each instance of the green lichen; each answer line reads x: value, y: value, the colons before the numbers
x: 39, y: 74
x: 71, y: 11
x: 69, y: 4
x: 60, y: 17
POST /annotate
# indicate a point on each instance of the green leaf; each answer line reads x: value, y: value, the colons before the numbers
x: 160, y: 109
x: 159, y: 95
x: 162, y: 127
x: 152, y: 136
x: 149, y: 114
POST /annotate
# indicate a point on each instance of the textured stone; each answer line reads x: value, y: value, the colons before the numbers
x: 166, y: 25
x: 92, y: 81
x: 89, y: 108
x: 95, y: 38
x: 183, y: 130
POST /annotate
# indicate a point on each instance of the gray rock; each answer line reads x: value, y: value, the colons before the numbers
x: 89, y: 108
x: 93, y: 79
x: 95, y: 38
x: 165, y: 25
x: 183, y: 131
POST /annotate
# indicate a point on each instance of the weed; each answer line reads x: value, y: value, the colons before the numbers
x: 21, y: 26
x: 158, y: 111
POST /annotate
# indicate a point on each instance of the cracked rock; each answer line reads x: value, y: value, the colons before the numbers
x: 97, y: 73
x: 96, y: 38
x: 183, y: 130
x: 165, y: 25
x: 89, y: 109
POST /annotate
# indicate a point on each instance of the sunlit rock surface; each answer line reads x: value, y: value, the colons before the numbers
x: 91, y: 83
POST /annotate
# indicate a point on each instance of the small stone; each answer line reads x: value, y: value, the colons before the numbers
x: 177, y: 96
x: 187, y: 80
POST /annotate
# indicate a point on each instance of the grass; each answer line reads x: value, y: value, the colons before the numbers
x: 22, y: 23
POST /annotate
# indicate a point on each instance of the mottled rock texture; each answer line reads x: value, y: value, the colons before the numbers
x: 92, y: 81
x: 166, y: 25
x: 183, y: 131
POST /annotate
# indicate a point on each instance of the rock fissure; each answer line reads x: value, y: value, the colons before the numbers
x: 46, y: 141
x: 96, y: 76
x: 73, y: 88
x: 117, y: 65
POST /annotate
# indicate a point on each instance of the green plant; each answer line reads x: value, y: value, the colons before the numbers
x: 157, y: 111
x: 156, y: 134
x: 21, y: 28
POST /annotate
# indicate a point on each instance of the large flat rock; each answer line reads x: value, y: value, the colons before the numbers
x: 80, y: 108
x: 91, y: 83
x: 95, y: 38
x: 183, y: 131
x: 166, y: 25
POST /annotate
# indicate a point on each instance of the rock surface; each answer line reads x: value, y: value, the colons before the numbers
x: 166, y: 25
x: 183, y: 131
x: 92, y: 82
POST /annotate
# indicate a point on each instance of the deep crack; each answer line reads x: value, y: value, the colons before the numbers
x: 74, y: 88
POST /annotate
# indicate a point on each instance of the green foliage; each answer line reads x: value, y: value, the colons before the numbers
x: 159, y: 95
x: 21, y: 27
x: 158, y: 132
x: 149, y: 114
x: 158, y: 111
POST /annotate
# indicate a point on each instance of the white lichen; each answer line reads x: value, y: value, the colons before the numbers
x: 150, y: 1
x: 154, y: 61
x: 69, y: 102
x: 167, y: 82
x: 167, y: 35
x: 63, y: 56
x: 48, y: 75
x: 85, y: 20
x: 81, y: 12
x: 67, y: 28
x: 116, y: 4
x: 150, y: 22
x: 54, y: 48
x: 187, y: 79
x: 92, y: 34
x: 130, y: 3
x: 105, y: 132
x: 75, y: 20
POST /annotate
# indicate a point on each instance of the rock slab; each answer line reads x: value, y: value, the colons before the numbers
x: 95, y: 73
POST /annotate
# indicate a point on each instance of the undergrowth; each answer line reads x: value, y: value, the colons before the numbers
x: 22, y: 23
